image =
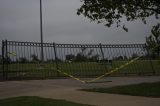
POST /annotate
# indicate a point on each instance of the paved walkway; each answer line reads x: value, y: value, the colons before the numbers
x: 67, y: 89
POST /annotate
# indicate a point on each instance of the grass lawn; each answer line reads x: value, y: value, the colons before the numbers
x: 36, y: 101
x: 79, y: 68
x: 143, y: 89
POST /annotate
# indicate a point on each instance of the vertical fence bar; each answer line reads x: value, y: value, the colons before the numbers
x: 6, y: 59
x: 59, y: 51
x: 150, y: 60
x: 104, y: 62
x: 3, y: 61
x: 100, y: 46
x: 56, y: 59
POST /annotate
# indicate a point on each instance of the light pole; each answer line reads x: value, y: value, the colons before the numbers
x: 41, y: 32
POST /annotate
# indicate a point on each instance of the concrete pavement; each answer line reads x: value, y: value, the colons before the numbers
x: 67, y: 89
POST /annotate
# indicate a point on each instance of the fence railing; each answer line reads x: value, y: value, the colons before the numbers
x: 22, y: 60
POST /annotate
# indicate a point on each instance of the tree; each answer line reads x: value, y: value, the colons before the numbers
x: 34, y: 58
x: 153, y: 41
x: 23, y: 60
x: 94, y: 58
x: 50, y: 60
x: 86, y: 55
x: 112, y: 11
x: 134, y: 55
x: 83, y: 51
x: 80, y: 57
x: 70, y: 57
x: 125, y: 58
x: 7, y: 60
x: 118, y: 58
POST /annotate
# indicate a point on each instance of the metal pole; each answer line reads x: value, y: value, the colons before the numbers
x: 100, y: 46
x: 56, y: 59
x: 3, y: 59
x: 41, y: 31
x: 6, y: 59
x: 102, y: 53
x: 150, y: 60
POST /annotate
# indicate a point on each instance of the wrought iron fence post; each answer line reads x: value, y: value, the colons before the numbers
x: 3, y: 72
x: 103, y: 58
x: 6, y: 59
x: 100, y: 45
x: 56, y: 59
x: 150, y: 60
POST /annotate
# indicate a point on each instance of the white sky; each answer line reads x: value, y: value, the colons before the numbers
x: 19, y: 20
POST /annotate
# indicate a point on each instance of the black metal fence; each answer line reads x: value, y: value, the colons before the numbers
x: 23, y: 60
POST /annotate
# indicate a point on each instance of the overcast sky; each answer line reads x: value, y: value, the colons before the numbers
x: 19, y: 20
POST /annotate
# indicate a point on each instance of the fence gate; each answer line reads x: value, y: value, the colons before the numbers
x: 23, y: 60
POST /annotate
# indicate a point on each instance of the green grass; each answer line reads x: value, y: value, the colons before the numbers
x: 143, y: 89
x: 80, y: 68
x: 36, y: 101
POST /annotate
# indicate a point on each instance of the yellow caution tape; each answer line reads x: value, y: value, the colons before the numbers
x: 114, y: 70
x: 71, y: 76
x: 108, y: 73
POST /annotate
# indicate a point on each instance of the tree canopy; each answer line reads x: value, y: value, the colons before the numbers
x: 112, y: 11
x: 153, y: 41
